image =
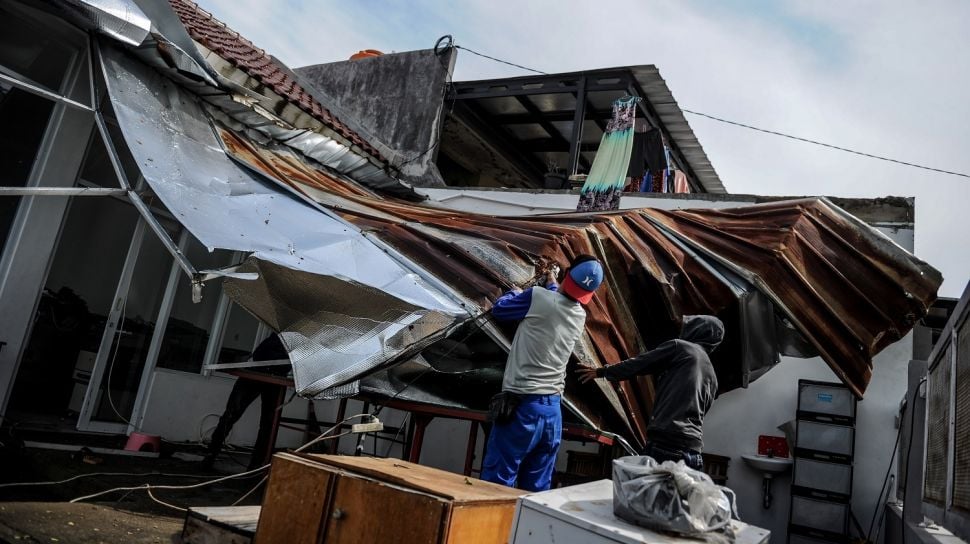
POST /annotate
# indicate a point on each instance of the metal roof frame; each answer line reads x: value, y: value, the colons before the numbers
x: 658, y: 107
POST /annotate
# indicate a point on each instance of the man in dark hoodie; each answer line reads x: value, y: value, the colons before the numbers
x: 685, y: 387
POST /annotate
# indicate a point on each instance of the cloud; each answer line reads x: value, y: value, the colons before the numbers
x: 886, y: 78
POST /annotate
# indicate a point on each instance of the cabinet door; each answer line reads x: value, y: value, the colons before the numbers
x: 295, y: 502
x: 369, y: 511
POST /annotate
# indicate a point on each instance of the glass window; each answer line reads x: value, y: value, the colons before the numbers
x: 97, y: 166
x: 31, y: 50
x: 74, y: 306
x: 239, y: 336
x: 24, y: 119
x: 190, y: 324
x: 129, y: 350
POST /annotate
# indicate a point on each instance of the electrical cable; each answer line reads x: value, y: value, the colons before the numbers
x: 473, y: 52
x: 301, y: 448
x: 114, y: 356
x: 393, y: 441
x: 251, y: 491
x: 909, y: 450
x: 883, y: 490
x: 150, y: 487
x: 823, y: 144
x: 91, y: 474
x: 766, y: 131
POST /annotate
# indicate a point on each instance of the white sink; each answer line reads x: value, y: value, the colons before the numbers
x: 768, y: 465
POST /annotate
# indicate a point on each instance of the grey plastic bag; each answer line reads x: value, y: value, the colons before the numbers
x: 671, y: 497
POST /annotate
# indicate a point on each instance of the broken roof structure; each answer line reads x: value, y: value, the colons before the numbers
x: 376, y: 294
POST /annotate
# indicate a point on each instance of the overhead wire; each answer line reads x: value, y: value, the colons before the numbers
x: 473, y: 52
x: 823, y: 144
x: 759, y: 129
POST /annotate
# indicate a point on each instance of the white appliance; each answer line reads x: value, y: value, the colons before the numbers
x: 583, y: 514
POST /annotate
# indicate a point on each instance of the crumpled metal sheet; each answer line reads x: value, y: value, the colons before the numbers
x: 122, y: 20
x: 334, y: 331
x: 226, y: 206
x: 847, y: 288
x: 752, y: 267
x: 344, y: 306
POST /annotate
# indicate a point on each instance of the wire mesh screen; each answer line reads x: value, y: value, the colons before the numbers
x: 937, y: 430
x: 961, y: 466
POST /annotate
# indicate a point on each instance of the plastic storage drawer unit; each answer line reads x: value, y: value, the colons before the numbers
x: 830, y: 477
x: 826, y: 399
x: 828, y: 516
x: 836, y: 439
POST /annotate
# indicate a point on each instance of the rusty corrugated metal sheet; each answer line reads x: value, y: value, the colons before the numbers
x: 846, y: 291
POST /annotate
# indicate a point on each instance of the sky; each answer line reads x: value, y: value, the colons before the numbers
x: 885, y: 77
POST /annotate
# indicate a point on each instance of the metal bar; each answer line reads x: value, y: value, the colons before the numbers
x: 536, y: 113
x: 470, y: 449
x: 360, y: 437
x: 913, y: 478
x: 34, y: 89
x: 579, y: 116
x: 247, y: 364
x: 61, y: 191
x: 163, y: 236
x: 260, y: 377
x: 112, y: 330
x: 555, y: 144
x: 274, y: 430
x: 92, y: 87
x: 951, y: 425
x: 155, y: 346
x: 528, y: 92
x: 420, y: 424
x: 473, y: 116
x: 591, y: 114
x: 331, y: 446
x: 132, y: 195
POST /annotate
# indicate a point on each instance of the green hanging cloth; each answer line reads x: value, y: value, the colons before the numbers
x: 607, y: 176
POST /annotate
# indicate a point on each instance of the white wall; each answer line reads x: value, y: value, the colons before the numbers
x: 737, y: 418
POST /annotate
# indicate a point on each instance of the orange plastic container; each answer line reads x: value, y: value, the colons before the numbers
x: 366, y: 54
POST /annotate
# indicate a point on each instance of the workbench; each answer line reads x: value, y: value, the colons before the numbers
x: 422, y: 416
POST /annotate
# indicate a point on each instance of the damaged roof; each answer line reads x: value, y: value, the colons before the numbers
x: 799, y: 277
x: 377, y: 294
x: 242, y: 53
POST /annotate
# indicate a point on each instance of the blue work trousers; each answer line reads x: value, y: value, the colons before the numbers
x: 522, y: 452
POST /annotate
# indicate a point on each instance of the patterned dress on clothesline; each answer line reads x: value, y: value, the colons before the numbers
x: 607, y: 176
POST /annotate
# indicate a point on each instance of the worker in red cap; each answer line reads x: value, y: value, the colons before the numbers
x: 527, y: 421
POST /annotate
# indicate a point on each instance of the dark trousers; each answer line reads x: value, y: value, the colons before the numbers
x: 244, y: 392
x: 665, y: 452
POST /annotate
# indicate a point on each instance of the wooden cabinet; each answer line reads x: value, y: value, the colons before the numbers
x: 331, y: 498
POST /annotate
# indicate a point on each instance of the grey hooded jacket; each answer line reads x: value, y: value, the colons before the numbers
x: 684, y: 381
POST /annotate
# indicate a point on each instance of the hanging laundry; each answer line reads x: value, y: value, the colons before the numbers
x: 655, y: 150
x: 607, y: 175
x: 638, y: 157
x: 646, y: 184
x: 680, y: 182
